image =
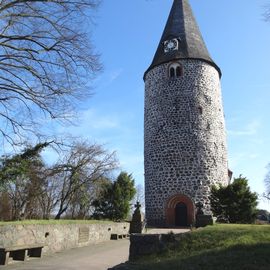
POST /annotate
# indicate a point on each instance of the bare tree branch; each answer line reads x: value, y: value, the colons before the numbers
x: 266, y: 13
x: 83, y: 165
x: 39, y: 190
x: 46, y: 61
x: 266, y: 195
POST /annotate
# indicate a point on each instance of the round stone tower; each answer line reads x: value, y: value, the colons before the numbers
x: 185, y: 138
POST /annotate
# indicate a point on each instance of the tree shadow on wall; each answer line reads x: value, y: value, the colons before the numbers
x: 239, y: 257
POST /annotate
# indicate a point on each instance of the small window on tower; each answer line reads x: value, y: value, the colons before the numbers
x: 175, y: 70
x: 200, y: 110
x: 178, y: 71
x: 172, y: 72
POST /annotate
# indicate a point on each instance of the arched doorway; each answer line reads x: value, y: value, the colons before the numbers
x: 181, y: 217
x: 179, y: 211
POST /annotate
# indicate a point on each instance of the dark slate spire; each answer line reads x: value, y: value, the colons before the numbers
x: 182, y: 25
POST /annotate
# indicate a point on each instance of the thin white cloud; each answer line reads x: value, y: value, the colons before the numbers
x: 263, y: 85
x: 107, y: 78
x: 115, y: 74
x: 133, y: 163
x: 132, y: 160
x: 236, y: 159
x: 92, y: 119
x: 250, y: 129
x: 253, y: 156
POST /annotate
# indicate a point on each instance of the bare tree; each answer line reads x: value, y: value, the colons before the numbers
x: 24, y: 193
x: 46, y: 60
x: 5, y: 207
x: 49, y: 196
x: 266, y: 195
x: 81, y: 205
x: 32, y: 189
x: 83, y: 165
x: 266, y: 13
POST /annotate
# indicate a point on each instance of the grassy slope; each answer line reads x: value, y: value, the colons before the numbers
x: 53, y: 222
x: 233, y: 247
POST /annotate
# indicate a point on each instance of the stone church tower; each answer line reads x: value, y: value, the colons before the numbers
x: 185, y: 139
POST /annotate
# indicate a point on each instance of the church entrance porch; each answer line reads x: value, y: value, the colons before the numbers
x: 180, y: 211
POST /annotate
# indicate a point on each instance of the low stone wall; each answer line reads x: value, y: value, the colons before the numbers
x: 150, y: 244
x: 61, y: 236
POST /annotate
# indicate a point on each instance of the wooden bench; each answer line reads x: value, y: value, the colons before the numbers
x: 20, y: 253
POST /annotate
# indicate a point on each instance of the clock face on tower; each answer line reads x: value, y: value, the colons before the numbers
x: 170, y: 45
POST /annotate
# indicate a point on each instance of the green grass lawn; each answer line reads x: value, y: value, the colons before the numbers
x: 219, y: 247
x: 53, y: 222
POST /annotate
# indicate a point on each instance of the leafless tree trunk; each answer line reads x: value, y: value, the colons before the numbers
x: 46, y: 60
x: 24, y: 195
x: 5, y: 207
x: 81, y: 204
x: 48, y: 198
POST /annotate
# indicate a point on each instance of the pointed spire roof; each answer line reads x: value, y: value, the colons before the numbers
x: 182, y: 25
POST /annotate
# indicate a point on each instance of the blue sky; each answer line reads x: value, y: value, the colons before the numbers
x: 127, y: 33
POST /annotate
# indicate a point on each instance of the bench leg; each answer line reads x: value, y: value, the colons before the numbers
x: 4, y: 257
x: 19, y: 255
x: 35, y: 252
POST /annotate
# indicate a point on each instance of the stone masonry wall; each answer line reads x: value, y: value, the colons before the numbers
x: 185, y: 139
x: 60, y: 237
x: 151, y: 244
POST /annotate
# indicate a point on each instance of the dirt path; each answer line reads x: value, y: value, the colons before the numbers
x: 95, y: 257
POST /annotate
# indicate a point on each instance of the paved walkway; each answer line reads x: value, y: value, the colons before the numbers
x: 165, y: 231
x: 95, y: 257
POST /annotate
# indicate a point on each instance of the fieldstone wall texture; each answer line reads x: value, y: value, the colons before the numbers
x: 59, y: 237
x: 151, y: 244
x: 185, y: 139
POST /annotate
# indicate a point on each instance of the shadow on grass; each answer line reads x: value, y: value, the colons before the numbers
x: 240, y: 257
